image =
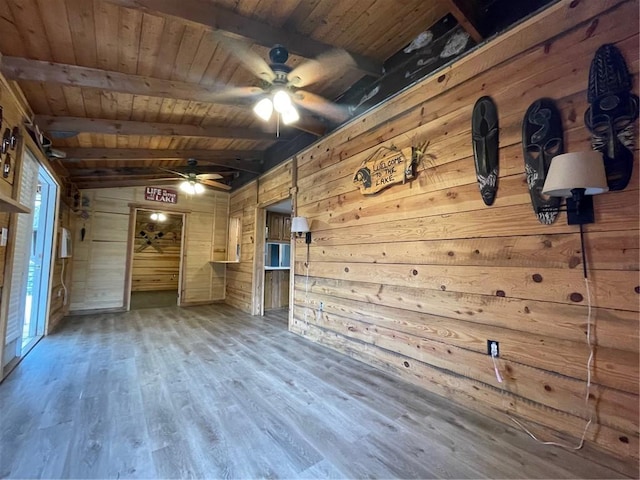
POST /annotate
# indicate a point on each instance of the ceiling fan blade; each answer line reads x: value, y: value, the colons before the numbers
x: 321, y: 106
x: 327, y: 64
x: 211, y: 183
x: 238, y: 93
x: 208, y: 176
x: 183, y: 175
x: 250, y: 59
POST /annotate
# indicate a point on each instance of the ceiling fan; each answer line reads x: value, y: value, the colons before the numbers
x: 194, y: 182
x: 280, y: 88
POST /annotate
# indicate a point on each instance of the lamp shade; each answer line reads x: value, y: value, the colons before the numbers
x: 187, y: 187
x: 290, y: 115
x: 264, y: 109
x: 576, y: 170
x: 281, y: 101
x: 299, y: 225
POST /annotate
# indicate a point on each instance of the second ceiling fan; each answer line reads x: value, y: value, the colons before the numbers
x: 194, y: 181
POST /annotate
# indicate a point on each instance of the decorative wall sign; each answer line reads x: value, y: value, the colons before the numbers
x: 542, y: 139
x: 162, y: 195
x: 484, y: 133
x: 386, y: 167
x: 610, y: 116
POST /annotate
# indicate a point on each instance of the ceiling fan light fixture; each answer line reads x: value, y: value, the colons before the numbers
x: 281, y: 101
x: 190, y: 187
x: 264, y: 109
x: 158, y: 217
x: 290, y: 115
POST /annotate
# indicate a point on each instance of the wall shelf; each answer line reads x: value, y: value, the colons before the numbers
x: 8, y: 204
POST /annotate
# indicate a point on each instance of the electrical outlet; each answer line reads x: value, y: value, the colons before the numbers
x: 493, y: 348
x: 321, y: 308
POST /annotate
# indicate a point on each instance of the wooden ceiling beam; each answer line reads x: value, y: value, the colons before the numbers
x: 99, y: 183
x: 465, y: 13
x: 236, y: 159
x: 122, y: 127
x: 155, y: 153
x: 17, y: 68
x: 205, y: 13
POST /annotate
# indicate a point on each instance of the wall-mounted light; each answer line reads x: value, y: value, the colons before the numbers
x: 158, y: 217
x: 300, y: 225
x: 577, y: 177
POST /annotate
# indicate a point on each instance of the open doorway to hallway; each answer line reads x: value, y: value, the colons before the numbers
x: 277, y: 257
x: 156, y: 259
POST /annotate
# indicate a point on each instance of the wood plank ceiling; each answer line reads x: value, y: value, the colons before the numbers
x: 137, y: 80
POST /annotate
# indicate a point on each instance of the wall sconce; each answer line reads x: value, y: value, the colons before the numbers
x: 576, y: 177
x: 300, y: 225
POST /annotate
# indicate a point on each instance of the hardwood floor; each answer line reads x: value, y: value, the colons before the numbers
x: 212, y: 392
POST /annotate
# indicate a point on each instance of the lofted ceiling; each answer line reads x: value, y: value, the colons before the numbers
x: 129, y: 88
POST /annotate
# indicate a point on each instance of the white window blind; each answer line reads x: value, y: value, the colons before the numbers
x: 22, y: 248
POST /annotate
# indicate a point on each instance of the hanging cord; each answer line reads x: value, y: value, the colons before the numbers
x: 64, y: 287
x: 495, y: 366
x: 306, y: 287
x: 589, y: 365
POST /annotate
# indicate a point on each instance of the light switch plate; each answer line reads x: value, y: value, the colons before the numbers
x: 4, y: 236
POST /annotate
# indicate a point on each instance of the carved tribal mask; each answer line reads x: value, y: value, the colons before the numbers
x: 610, y: 116
x: 484, y: 133
x: 542, y: 139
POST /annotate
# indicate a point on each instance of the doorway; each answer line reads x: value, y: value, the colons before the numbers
x: 277, y: 258
x: 29, y: 290
x: 39, y: 273
x: 156, y: 259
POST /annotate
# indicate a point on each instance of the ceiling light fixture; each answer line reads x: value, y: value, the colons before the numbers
x: 281, y: 103
x: 158, y: 217
x: 191, y: 187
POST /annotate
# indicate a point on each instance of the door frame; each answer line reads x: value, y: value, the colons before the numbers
x: 48, y: 249
x: 257, y: 307
x: 131, y: 241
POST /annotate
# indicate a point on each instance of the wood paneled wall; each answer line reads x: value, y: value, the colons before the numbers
x: 99, y: 268
x: 248, y: 202
x: 61, y: 277
x: 15, y: 111
x: 240, y: 289
x: 416, y: 279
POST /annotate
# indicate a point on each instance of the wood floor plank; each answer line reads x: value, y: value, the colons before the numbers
x: 210, y: 392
